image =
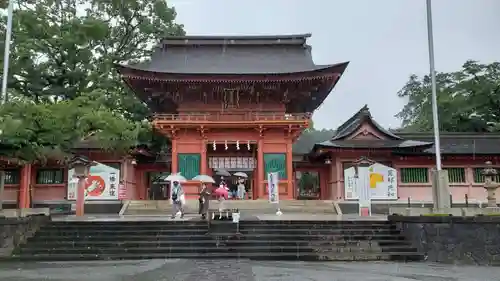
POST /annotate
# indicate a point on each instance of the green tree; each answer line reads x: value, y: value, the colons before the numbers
x: 65, y: 48
x: 41, y: 131
x: 64, y: 53
x: 468, y: 100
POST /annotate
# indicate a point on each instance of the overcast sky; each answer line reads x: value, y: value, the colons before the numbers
x: 385, y: 41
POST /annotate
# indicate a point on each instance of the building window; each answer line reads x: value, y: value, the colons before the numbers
x: 275, y: 163
x: 50, y: 176
x: 189, y: 164
x: 456, y: 175
x: 308, y: 184
x: 414, y: 175
x: 478, y: 176
x: 12, y: 176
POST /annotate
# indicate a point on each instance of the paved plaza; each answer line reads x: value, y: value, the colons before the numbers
x: 226, y: 270
x: 244, y: 216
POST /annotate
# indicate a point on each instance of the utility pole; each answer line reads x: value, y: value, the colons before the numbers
x: 3, y: 100
x: 440, y: 184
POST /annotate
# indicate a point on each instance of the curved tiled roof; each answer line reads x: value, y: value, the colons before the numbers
x: 231, y: 55
x: 351, y: 125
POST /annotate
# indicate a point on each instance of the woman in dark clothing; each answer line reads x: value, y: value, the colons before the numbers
x: 233, y: 189
x: 204, y: 201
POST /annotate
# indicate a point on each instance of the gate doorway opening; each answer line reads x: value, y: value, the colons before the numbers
x: 158, y: 188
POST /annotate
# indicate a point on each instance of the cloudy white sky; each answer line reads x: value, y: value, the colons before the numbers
x: 385, y: 41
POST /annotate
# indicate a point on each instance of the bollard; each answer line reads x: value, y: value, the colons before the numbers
x: 409, y: 202
x: 466, y: 200
x: 451, y: 201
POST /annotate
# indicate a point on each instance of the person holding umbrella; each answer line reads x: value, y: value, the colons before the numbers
x: 222, y: 193
x: 240, y: 192
x: 204, y: 199
x: 177, y: 194
x: 177, y: 199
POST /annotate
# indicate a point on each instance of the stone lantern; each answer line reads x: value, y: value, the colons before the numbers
x: 490, y: 185
x: 81, y: 165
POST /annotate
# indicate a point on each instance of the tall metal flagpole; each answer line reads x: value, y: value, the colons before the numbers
x: 8, y: 32
x: 6, y: 55
x: 435, y: 120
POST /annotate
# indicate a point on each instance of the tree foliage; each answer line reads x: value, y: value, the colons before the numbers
x: 50, y: 130
x: 62, y: 70
x: 468, y: 100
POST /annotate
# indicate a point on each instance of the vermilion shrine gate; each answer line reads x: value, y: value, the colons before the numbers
x: 236, y: 102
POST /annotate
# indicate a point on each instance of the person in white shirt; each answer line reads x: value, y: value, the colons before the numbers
x: 177, y: 198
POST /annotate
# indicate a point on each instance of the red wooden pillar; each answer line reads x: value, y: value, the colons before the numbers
x: 260, y: 169
x: 175, y: 165
x: 24, y: 187
x: 332, y: 183
x: 80, y: 197
x: 289, y: 169
x: 203, y: 152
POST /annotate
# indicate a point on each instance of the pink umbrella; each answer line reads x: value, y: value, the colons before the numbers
x: 221, y: 192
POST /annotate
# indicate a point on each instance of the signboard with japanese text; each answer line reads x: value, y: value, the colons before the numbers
x: 101, y: 184
x: 363, y: 192
x: 273, y: 188
x: 381, y: 180
x: 350, y: 183
x: 122, y: 192
x: 245, y: 163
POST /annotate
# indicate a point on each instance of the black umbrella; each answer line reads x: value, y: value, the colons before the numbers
x: 222, y: 172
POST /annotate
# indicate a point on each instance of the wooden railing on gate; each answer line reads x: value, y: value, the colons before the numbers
x: 242, y: 117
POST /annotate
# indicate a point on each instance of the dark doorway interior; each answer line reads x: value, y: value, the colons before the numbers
x: 158, y: 188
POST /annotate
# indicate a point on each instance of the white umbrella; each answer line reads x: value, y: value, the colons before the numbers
x: 241, y: 175
x: 204, y: 178
x: 176, y: 177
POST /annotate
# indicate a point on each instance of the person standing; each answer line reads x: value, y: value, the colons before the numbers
x: 233, y: 190
x: 222, y: 193
x: 241, y: 188
x: 204, y: 201
x: 177, y: 198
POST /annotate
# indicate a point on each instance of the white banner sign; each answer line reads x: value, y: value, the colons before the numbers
x: 381, y: 180
x: 273, y: 188
x: 363, y: 192
x: 101, y: 184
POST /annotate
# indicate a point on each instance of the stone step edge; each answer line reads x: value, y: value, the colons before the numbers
x: 277, y: 256
x: 213, y: 245
x: 191, y: 242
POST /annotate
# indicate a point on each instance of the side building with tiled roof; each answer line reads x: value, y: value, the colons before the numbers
x: 323, y: 161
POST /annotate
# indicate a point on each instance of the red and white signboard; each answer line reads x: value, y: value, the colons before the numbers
x: 101, y: 184
x: 122, y: 192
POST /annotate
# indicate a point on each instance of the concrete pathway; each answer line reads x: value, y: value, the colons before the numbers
x: 113, y: 217
x: 242, y: 270
x: 318, y: 217
x: 244, y: 216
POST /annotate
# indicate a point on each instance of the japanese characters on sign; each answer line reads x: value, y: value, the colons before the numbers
x: 391, y: 179
x: 350, y: 183
x: 273, y: 188
x: 231, y: 163
x: 101, y: 184
x: 112, y: 184
x: 122, y: 192
x: 381, y: 179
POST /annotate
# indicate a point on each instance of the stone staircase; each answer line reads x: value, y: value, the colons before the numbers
x: 258, y: 240
x: 152, y: 207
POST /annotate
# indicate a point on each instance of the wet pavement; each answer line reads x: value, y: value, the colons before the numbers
x: 244, y: 216
x: 223, y: 270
